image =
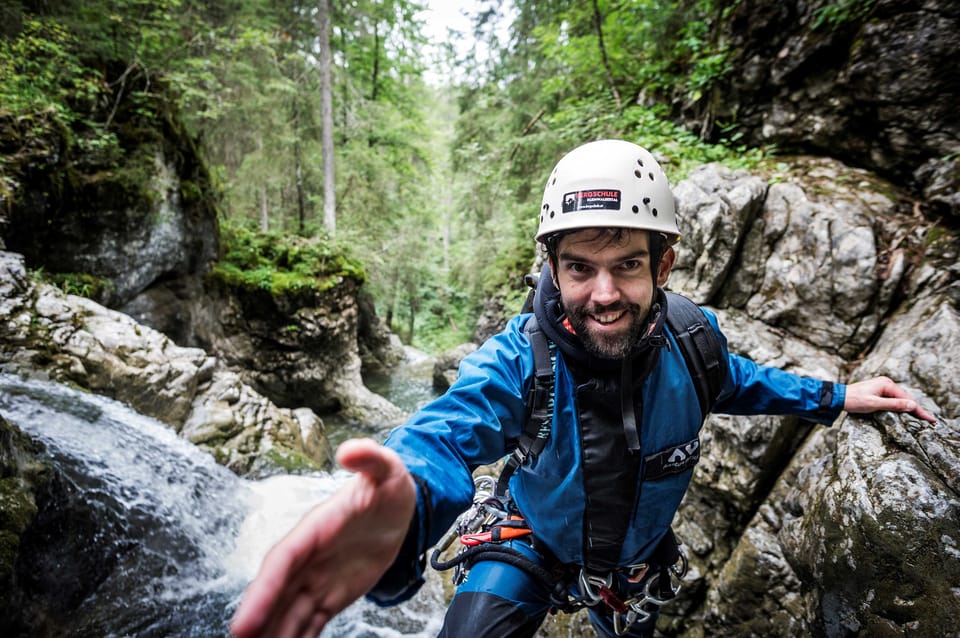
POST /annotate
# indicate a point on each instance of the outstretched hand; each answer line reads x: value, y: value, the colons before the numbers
x: 882, y: 394
x: 336, y: 553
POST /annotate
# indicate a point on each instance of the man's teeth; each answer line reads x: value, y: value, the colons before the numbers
x: 608, y: 317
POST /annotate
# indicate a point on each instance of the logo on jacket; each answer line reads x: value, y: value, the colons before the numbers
x: 672, y: 460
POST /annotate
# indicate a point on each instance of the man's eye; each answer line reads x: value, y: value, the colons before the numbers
x: 631, y: 264
x: 575, y: 267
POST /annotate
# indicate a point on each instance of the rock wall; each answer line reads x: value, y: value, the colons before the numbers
x: 143, y: 212
x: 300, y: 350
x: 793, y: 529
x: 872, y: 83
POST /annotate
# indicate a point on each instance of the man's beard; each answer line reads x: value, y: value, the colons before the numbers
x: 608, y: 346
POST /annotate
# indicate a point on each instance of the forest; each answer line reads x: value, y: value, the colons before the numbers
x: 339, y: 125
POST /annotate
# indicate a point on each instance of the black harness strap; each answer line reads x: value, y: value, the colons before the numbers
x: 539, y: 404
x: 700, y: 347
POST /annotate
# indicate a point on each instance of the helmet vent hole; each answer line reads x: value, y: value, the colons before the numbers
x: 640, y: 162
x: 638, y: 173
x: 654, y: 211
x: 651, y: 176
x: 636, y: 209
x: 646, y: 201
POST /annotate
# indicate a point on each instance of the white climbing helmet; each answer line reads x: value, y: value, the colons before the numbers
x: 608, y: 183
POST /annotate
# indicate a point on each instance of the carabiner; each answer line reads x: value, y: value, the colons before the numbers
x: 590, y: 587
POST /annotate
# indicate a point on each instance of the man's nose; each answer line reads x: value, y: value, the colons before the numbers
x: 605, y: 289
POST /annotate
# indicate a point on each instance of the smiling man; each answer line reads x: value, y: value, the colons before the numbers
x: 593, y: 398
x: 607, y: 285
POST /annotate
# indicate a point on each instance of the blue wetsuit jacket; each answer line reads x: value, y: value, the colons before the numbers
x: 480, y: 418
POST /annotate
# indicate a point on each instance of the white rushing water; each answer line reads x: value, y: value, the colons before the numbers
x: 189, y: 533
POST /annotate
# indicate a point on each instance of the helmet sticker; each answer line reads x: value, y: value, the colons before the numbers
x: 591, y: 200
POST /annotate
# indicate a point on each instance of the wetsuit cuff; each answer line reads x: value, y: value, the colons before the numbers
x: 404, y: 577
x: 832, y: 397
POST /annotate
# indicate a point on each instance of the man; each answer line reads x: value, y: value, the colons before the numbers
x: 600, y: 495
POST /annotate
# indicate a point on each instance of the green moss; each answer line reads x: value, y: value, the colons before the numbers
x: 9, y: 551
x: 80, y: 284
x: 282, y: 265
x: 291, y: 461
x: 17, y: 508
x: 190, y: 192
x: 834, y: 15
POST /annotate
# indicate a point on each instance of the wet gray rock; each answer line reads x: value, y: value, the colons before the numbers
x: 873, y: 84
x: 45, y: 333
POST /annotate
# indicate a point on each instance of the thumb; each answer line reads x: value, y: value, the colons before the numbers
x: 367, y: 457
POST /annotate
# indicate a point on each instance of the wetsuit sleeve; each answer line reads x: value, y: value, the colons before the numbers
x: 758, y: 389
x: 751, y: 388
x: 476, y: 422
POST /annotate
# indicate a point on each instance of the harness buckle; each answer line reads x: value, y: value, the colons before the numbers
x: 659, y: 588
x: 591, y: 585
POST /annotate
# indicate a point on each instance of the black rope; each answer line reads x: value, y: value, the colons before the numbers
x: 556, y: 586
x: 498, y: 553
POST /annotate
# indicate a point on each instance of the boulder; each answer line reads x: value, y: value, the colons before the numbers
x: 49, y: 334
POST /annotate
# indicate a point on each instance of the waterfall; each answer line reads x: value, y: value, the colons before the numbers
x: 182, y: 534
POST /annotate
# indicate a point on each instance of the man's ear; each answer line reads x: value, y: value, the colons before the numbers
x: 666, y: 265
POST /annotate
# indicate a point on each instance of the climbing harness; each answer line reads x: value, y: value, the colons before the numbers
x: 490, y: 521
x: 481, y: 530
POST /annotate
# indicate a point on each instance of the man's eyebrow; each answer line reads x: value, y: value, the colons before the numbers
x: 573, y: 256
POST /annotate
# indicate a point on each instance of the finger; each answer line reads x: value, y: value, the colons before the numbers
x: 260, y: 597
x: 271, y: 591
x: 367, y: 457
x: 920, y: 413
x: 305, y: 613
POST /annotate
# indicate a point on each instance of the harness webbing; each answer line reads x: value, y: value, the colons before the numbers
x: 700, y: 347
x: 539, y: 404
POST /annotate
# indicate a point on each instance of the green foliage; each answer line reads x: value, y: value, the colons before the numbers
x: 282, y: 264
x: 81, y: 284
x: 437, y: 189
x: 40, y: 70
x: 833, y: 15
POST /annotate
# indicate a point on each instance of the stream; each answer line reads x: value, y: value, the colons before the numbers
x: 183, y: 535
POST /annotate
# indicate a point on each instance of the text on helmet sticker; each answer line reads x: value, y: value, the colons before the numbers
x: 591, y: 200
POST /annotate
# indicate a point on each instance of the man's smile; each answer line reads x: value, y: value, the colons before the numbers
x: 607, y: 318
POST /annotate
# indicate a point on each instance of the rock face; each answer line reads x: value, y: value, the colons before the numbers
x: 800, y: 530
x: 44, y: 332
x: 874, y: 84
x: 143, y: 213
x: 794, y: 529
x: 300, y: 350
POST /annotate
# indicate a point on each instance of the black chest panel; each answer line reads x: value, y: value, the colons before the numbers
x: 610, y: 472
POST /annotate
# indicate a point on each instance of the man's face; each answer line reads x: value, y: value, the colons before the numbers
x: 606, y: 287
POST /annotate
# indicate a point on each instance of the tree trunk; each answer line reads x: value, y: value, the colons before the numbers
x: 262, y: 194
x: 326, y: 119
x: 375, y: 80
x: 264, y: 211
x: 598, y: 22
x: 298, y: 168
